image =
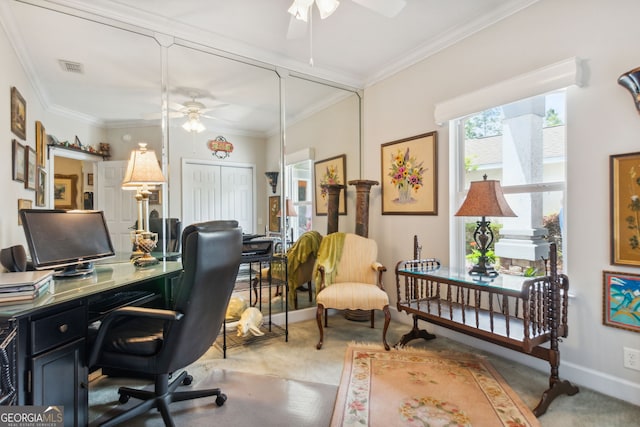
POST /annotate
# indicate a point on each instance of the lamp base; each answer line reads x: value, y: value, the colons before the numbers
x: 145, y: 260
x: 483, y: 270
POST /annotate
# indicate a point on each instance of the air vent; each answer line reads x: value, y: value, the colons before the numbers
x: 71, y: 67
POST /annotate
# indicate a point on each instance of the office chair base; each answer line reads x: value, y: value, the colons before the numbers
x: 160, y: 398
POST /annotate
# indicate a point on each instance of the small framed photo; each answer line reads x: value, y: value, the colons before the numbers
x: 30, y: 173
x: 155, y: 198
x: 330, y: 171
x: 23, y: 204
x: 274, y: 208
x: 89, y: 179
x: 18, y: 163
x: 18, y: 114
x: 41, y: 187
x: 621, y: 308
x: 65, y: 191
x: 624, y: 172
x: 409, y: 175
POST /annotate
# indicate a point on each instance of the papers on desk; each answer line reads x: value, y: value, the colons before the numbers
x: 25, y: 285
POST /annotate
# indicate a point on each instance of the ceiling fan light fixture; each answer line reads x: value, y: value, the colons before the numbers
x: 193, y: 124
x: 300, y: 9
x: 327, y: 7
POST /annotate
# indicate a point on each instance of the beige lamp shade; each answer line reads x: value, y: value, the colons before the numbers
x: 143, y: 169
x: 485, y: 198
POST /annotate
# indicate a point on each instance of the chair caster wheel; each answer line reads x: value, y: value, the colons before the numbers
x: 124, y: 398
x: 221, y: 399
x: 187, y: 380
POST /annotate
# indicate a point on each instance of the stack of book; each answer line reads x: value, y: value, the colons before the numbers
x: 24, y: 286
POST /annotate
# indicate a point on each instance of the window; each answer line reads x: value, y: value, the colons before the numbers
x: 521, y: 144
x: 300, y: 189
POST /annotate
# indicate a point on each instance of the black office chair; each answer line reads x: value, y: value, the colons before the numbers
x: 172, y: 236
x: 158, y: 342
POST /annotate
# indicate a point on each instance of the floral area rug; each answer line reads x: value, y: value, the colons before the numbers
x: 409, y: 387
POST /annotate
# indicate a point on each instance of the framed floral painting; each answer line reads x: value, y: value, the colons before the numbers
x: 625, y: 208
x: 330, y: 171
x: 409, y: 176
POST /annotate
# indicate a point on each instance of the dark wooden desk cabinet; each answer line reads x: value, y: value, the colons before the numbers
x: 51, y: 344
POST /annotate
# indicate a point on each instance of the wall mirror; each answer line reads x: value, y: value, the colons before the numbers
x: 118, y: 98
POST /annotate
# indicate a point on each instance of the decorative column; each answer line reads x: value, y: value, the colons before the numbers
x: 363, y: 188
x: 333, y: 206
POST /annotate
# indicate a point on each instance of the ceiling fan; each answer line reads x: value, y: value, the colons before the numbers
x: 193, y: 110
x: 389, y: 8
x: 300, y: 10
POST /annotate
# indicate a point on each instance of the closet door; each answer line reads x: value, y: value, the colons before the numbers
x: 211, y: 191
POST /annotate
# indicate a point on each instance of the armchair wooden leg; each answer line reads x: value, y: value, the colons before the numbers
x: 319, y: 311
x: 310, y: 291
x: 387, y: 319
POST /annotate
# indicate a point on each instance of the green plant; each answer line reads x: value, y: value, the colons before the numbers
x: 531, y: 272
x: 474, y: 256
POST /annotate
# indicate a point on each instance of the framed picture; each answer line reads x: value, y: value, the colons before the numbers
x: 155, y: 198
x: 23, y: 204
x: 18, y: 165
x: 621, y: 308
x: 274, y: 208
x: 330, y: 171
x: 18, y: 114
x: 30, y: 173
x: 624, y: 172
x: 65, y: 191
x: 41, y: 187
x: 89, y: 179
x: 41, y: 144
x: 409, y: 175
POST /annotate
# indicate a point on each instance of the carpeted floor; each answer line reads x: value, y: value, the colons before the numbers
x: 298, y: 360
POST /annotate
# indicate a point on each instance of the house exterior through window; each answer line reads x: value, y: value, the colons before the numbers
x: 522, y: 145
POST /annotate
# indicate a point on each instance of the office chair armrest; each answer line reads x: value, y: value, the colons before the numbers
x: 156, y: 313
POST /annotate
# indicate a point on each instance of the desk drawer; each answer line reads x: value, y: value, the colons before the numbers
x: 55, y: 330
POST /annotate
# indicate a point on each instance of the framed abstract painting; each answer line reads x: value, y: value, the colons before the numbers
x: 620, y: 295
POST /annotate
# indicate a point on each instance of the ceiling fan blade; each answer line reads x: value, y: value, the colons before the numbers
x: 388, y: 8
x: 156, y: 116
x: 297, y: 29
x: 219, y: 119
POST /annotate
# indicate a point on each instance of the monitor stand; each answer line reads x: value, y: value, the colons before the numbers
x: 74, y: 271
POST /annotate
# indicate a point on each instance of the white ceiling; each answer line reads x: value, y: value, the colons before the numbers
x: 122, y: 71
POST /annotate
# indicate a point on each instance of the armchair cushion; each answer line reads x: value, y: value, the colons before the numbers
x: 353, y: 296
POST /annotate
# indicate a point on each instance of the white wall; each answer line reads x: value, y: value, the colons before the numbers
x: 601, y: 121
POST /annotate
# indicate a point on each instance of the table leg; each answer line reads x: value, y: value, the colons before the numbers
x: 414, y: 333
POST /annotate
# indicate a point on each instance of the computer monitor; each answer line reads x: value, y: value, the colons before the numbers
x: 67, y: 240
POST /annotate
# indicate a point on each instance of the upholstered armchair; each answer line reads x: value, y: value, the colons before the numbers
x: 349, y: 277
x: 301, y: 258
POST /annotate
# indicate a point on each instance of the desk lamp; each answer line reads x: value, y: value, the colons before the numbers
x: 485, y: 198
x: 143, y: 173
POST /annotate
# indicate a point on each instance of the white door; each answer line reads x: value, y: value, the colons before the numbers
x: 119, y: 206
x: 211, y: 191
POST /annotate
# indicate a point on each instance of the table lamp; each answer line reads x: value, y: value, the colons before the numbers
x: 485, y: 198
x: 143, y: 173
x: 290, y: 211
